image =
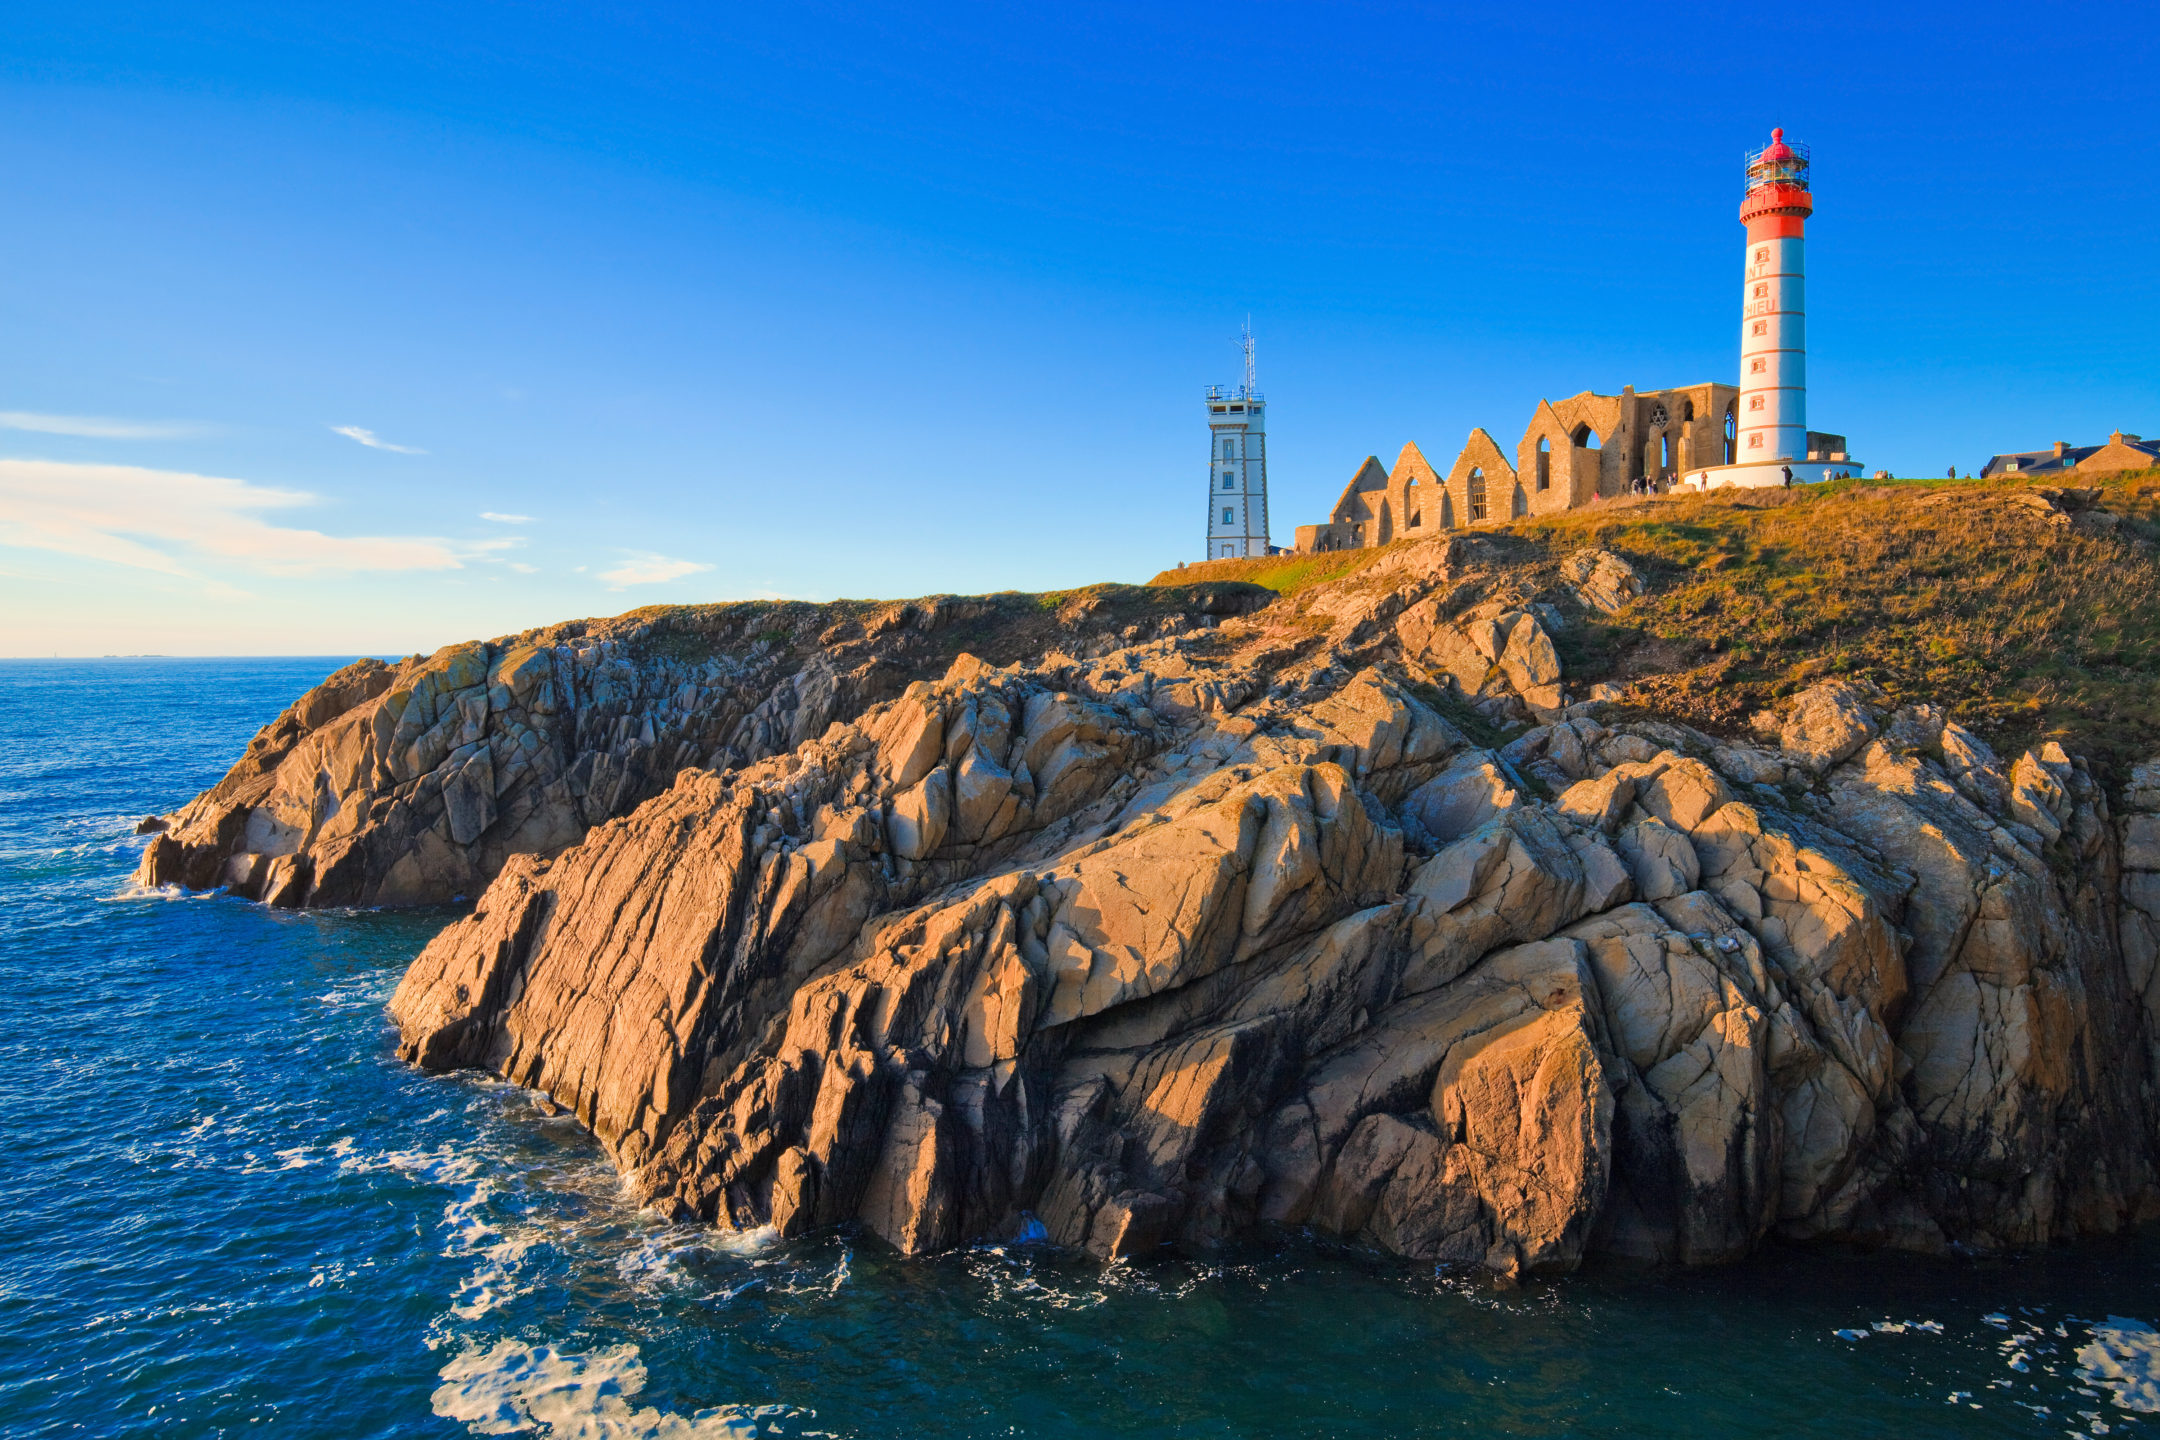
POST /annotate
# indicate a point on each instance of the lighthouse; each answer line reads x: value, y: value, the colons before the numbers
x: 1237, y: 526
x: 1771, y: 441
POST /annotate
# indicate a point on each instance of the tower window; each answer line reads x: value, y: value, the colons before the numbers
x: 1754, y: 402
x: 1228, y: 483
x: 1755, y: 366
x: 1754, y: 442
x: 1229, y: 516
x: 1761, y: 291
x: 1762, y: 256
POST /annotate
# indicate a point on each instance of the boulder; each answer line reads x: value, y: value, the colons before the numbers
x: 1603, y: 581
x: 1828, y: 722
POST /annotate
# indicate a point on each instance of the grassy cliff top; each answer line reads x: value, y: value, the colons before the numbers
x: 1947, y: 592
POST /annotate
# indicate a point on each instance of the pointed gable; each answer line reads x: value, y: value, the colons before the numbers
x: 1351, y: 508
x: 1588, y: 410
x: 2122, y: 452
x: 1482, y: 452
x: 1411, y: 468
x: 1546, y: 421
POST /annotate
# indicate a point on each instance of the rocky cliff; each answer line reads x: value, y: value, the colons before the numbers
x: 1347, y: 913
x: 413, y: 783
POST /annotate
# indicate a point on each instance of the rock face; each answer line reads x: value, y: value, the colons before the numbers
x: 1238, y: 928
x: 1604, y: 581
x: 415, y: 783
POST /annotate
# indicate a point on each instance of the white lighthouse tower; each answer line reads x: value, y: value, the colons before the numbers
x: 1237, y: 468
x: 1770, y: 424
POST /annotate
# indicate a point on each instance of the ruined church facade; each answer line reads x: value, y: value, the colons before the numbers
x: 1574, y: 452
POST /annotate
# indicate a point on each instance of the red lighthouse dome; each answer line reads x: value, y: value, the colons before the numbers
x: 1777, y: 181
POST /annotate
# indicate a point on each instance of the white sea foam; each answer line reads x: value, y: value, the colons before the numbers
x: 2124, y: 1359
x: 513, y: 1387
x: 467, y: 1230
x: 759, y: 1241
x: 133, y: 891
x: 444, y: 1165
x: 656, y: 1259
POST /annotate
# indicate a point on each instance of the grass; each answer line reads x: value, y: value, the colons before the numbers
x: 2021, y: 629
x: 1284, y: 574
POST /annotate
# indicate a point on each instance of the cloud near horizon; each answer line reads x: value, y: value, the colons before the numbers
x: 98, y: 427
x: 128, y: 515
x: 501, y: 519
x: 643, y: 567
x: 373, y: 441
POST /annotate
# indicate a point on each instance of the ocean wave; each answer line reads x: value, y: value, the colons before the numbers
x: 132, y: 891
x: 513, y: 1387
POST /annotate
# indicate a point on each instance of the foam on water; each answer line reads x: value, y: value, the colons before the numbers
x: 513, y: 1386
x: 2124, y: 1360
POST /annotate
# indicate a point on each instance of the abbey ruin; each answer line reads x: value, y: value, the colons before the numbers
x: 1574, y: 452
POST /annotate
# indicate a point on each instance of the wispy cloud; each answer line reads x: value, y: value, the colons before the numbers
x: 643, y: 567
x: 98, y: 427
x: 502, y: 519
x: 170, y: 521
x: 373, y: 441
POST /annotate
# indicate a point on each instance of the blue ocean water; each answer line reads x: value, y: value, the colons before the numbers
x: 225, y: 1208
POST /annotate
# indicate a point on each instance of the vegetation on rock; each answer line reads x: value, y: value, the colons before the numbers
x: 2030, y: 621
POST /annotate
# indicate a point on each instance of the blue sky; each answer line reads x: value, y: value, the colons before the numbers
x: 837, y: 300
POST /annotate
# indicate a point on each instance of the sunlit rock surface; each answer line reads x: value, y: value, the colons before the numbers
x: 1158, y: 937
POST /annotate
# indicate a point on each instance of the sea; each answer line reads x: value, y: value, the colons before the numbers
x: 226, y: 1209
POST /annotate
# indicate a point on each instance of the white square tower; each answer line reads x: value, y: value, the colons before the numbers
x: 1237, y: 468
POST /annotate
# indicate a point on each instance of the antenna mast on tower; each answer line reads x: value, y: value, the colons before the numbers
x: 1252, y: 384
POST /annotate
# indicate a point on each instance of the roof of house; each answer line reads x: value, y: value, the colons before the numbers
x: 2040, y: 462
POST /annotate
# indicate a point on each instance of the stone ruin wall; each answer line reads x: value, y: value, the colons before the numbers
x: 1651, y: 433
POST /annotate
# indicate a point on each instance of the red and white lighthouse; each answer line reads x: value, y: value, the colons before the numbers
x: 1770, y: 433
x: 1772, y: 424
x: 1772, y: 420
